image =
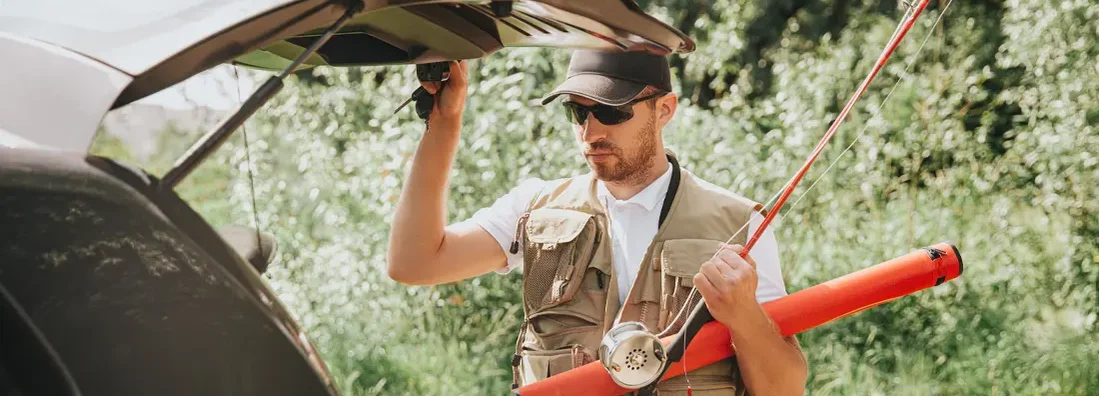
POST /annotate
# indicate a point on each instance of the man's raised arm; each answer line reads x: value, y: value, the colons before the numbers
x: 422, y: 249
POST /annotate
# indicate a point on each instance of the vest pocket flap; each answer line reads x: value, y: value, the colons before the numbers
x: 555, y: 329
x: 550, y: 226
x: 683, y: 257
x: 553, y: 322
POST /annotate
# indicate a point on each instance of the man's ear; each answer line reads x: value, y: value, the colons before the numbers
x: 666, y: 106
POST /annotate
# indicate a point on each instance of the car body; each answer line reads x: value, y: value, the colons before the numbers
x: 110, y: 284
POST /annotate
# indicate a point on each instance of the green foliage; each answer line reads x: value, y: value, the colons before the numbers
x: 990, y: 142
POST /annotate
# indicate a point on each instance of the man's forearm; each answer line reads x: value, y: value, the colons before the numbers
x: 420, y: 219
x: 769, y: 363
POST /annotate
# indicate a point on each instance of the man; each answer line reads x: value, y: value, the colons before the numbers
x: 625, y: 242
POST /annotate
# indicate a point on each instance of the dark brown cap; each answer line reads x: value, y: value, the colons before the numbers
x: 613, y: 78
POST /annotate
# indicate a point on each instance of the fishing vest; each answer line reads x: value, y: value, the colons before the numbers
x: 570, y: 296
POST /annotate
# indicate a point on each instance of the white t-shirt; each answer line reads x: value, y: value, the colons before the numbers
x: 633, y: 224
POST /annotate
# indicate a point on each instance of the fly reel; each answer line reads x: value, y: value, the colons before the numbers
x: 632, y: 355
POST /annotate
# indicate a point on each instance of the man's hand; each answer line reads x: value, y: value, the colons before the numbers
x: 728, y: 285
x: 452, y: 102
x: 769, y: 364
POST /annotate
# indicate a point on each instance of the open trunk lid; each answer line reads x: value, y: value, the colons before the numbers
x: 406, y: 32
x: 160, y: 44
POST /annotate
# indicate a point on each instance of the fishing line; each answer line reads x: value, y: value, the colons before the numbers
x: 877, y: 111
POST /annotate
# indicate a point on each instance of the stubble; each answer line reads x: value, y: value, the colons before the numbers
x: 629, y: 170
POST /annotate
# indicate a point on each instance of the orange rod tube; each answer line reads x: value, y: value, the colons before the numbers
x: 794, y: 313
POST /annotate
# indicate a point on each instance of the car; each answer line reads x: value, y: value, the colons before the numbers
x: 110, y: 284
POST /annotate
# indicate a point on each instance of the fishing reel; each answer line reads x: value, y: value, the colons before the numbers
x: 632, y: 355
x: 425, y: 101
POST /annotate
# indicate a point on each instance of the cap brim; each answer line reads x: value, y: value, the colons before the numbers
x: 602, y: 89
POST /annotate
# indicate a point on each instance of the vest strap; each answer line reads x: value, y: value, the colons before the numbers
x: 673, y: 187
x: 517, y: 359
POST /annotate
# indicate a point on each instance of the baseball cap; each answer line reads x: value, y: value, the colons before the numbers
x: 613, y: 77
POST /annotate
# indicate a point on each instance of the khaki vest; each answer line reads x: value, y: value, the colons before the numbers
x: 569, y: 291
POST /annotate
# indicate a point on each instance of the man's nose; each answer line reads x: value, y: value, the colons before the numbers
x: 592, y: 131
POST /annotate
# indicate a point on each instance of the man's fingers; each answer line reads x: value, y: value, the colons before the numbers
x: 751, y: 261
x: 430, y: 86
x: 459, y: 74
x: 707, y: 289
x: 730, y: 258
x: 731, y: 254
x: 717, y: 276
x: 728, y: 269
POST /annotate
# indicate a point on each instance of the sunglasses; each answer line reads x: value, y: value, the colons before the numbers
x: 606, y: 114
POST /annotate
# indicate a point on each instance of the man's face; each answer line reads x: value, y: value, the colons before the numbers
x: 621, y: 152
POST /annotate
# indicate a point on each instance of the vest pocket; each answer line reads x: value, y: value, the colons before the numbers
x: 539, y: 365
x: 702, y: 386
x: 561, y: 329
x: 680, y: 261
x: 559, y: 245
x: 719, y: 378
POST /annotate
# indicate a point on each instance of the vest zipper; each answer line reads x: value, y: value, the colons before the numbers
x: 594, y: 250
x: 591, y: 256
x: 519, y: 225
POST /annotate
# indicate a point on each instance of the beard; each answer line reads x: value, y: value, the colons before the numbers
x: 632, y: 168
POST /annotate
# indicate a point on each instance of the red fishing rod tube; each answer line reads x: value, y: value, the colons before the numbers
x: 808, y: 308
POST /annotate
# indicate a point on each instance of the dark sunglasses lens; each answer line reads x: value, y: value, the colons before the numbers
x: 611, y: 116
x: 606, y: 115
x: 575, y: 113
